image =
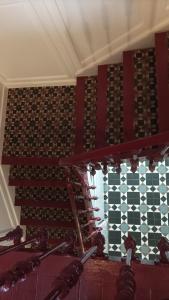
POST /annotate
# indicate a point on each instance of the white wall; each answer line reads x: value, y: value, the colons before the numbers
x: 9, y: 214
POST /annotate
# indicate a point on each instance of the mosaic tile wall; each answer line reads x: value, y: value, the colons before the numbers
x: 90, y: 113
x: 45, y: 121
x: 53, y: 233
x: 138, y: 204
x: 145, y: 89
x: 114, y: 129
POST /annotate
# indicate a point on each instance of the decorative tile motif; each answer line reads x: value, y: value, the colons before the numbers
x: 37, y: 172
x: 138, y: 208
x: 50, y: 214
x: 53, y: 233
x: 114, y: 130
x: 44, y: 119
x: 89, y: 137
x: 41, y: 193
x: 145, y: 93
x: 47, y: 214
x: 44, y: 193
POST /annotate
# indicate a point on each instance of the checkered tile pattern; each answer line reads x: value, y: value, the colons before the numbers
x: 138, y: 204
x: 145, y: 87
x: 37, y: 172
x: 40, y: 122
x: 114, y: 129
x: 90, y: 113
x: 41, y: 193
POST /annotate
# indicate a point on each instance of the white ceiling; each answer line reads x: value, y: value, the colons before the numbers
x: 45, y: 42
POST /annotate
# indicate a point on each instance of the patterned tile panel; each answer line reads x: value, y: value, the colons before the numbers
x: 40, y: 122
x: 146, y: 105
x: 48, y: 214
x: 44, y: 193
x: 37, y: 172
x: 114, y: 130
x: 90, y: 113
x: 53, y: 233
x: 138, y: 204
x: 41, y: 193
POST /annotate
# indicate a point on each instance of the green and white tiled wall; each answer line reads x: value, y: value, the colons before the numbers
x: 137, y: 204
